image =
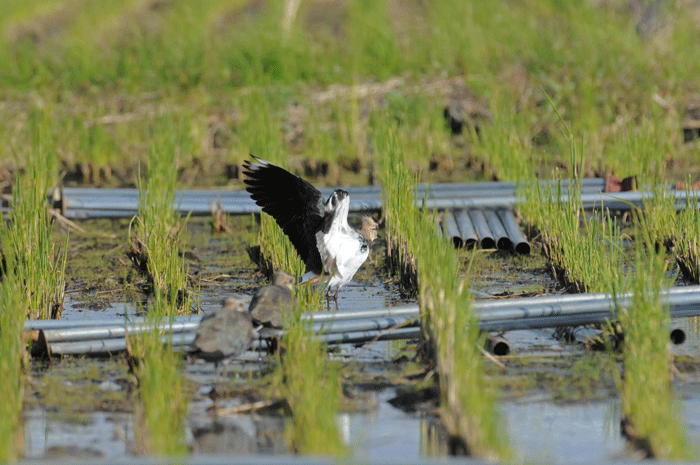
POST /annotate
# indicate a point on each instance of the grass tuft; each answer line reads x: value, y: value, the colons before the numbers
x: 29, y: 238
x: 158, y: 227
x: 687, y: 233
x: 163, y: 408
x: 651, y: 413
x: 13, y: 302
x: 311, y: 382
x: 398, y: 199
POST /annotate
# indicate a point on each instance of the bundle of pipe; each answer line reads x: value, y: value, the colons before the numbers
x: 76, y: 202
x: 109, y: 336
x: 485, y: 228
x: 105, y: 336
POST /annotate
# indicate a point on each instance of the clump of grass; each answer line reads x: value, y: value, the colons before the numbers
x: 28, y: 240
x: 311, y: 383
x: 277, y: 249
x: 505, y: 143
x: 652, y: 415
x: 260, y: 136
x: 13, y: 301
x: 585, y: 254
x: 155, y: 247
x: 469, y: 411
x: 400, y: 211
x: 687, y: 232
x: 429, y: 265
x: 158, y: 368
x: 659, y: 217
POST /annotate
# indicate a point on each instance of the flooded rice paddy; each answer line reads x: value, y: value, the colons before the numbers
x: 558, y: 400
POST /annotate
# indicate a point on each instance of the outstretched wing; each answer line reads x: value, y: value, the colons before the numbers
x: 295, y: 204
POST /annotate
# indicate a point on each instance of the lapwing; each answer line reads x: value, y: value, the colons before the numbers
x: 271, y: 306
x: 223, y: 333
x: 271, y: 303
x: 317, y: 228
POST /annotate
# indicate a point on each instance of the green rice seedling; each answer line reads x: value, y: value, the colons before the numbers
x: 585, y: 254
x: 505, y: 143
x: 308, y: 376
x: 161, y: 385
x: 687, y: 234
x: 260, y: 136
x: 29, y: 238
x: 659, y: 217
x: 452, y: 336
x: 155, y: 247
x: 277, y: 248
x: 469, y: 410
x: 652, y: 416
x: 13, y: 310
x: 400, y: 212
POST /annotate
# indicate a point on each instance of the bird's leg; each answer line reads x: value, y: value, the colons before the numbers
x: 328, y: 299
x: 216, y: 386
x: 335, y: 299
x: 225, y: 376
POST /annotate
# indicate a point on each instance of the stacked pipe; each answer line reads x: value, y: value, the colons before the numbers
x: 487, y: 229
x: 63, y: 337
x: 105, y: 336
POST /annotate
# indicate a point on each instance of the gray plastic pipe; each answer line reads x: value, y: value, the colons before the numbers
x: 497, y: 229
x: 450, y: 229
x: 466, y: 228
x: 517, y: 238
x: 486, y: 240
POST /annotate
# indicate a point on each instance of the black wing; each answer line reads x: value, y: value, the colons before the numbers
x: 294, y: 203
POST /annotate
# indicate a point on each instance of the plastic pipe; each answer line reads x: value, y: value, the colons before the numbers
x: 482, y: 229
x: 499, y: 232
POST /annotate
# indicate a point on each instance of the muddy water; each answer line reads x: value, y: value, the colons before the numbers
x: 95, y: 435
x: 548, y: 432
x: 539, y: 428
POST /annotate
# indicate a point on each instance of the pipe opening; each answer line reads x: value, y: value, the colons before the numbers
x: 498, y: 346
x: 523, y: 248
x: 504, y: 243
x: 488, y: 243
x: 470, y: 243
x: 677, y: 336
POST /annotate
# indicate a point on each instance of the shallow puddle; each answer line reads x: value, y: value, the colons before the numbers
x: 94, y: 435
x: 385, y: 432
x: 546, y: 432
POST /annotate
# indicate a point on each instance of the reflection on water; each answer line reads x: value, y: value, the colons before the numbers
x: 384, y: 432
x: 537, y: 431
x: 250, y: 435
x: 78, y: 311
x: 543, y: 431
x: 100, y: 434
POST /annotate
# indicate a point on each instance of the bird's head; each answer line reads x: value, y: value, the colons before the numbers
x: 280, y: 278
x: 337, y: 198
x: 233, y: 303
x: 369, y: 229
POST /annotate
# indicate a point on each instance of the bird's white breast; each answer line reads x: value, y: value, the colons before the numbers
x: 350, y: 252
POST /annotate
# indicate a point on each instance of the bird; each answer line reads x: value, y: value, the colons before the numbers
x: 224, y: 333
x: 317, y: 228
x: 271, y: 306
x: 271, y: 303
